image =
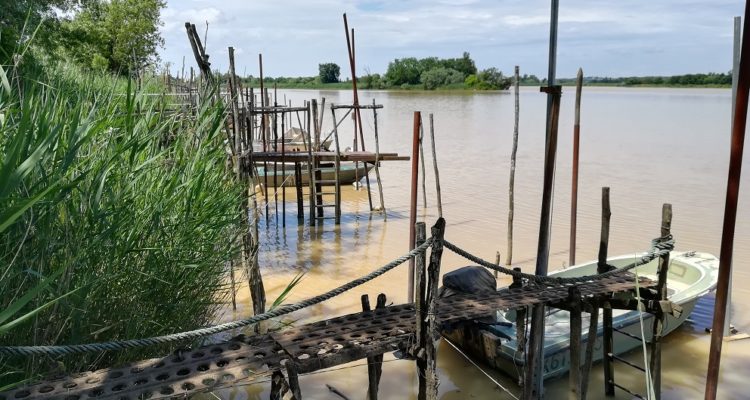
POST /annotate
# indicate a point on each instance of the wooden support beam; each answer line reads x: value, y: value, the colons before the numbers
x: 574, y: 184
x: 291, y: 371
x: 413, y: 201
x: 374, y: 363
x: 590, y: 343
x: 574, y: 301
x: 659, y: 316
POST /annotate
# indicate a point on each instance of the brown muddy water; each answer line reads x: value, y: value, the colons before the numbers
x: 650, y: 146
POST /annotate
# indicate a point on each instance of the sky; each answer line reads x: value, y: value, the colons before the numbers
x: 606, y: 38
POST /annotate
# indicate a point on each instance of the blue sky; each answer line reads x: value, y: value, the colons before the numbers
x: 605, y: 38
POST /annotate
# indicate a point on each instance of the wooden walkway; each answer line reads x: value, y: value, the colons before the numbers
x: 246, y: 360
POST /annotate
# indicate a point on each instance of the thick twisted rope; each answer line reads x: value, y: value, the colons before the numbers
x: 659, y: 247
x: 202, y: 332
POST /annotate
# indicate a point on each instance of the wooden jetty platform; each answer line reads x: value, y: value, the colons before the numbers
x: 245, y: 360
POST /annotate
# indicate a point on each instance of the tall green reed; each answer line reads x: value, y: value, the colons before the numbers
x: 116, y: 217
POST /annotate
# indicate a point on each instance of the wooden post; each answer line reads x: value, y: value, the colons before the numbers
x: 435, y: 166
x: 374, y: 363
x: 420, y: 302
x: 520, y: 313
x: 279, y: 386
x: 574, y: 188
x: 659, y: 316
x: 602, y: 266
x: 298, y: 187
x: 291, y: 371
x: 283, y: 170
x: 574, y: 300
x: 421, y: 159
x: 413, y: 202
x: 512, y: 180
x: 433, y: 274
x: 591, y: 341
x: 377, y: 158
x: 535, y: 355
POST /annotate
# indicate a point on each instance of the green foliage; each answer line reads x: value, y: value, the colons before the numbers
x: 329, y: 72
x: 116, y: 218
x: 434, y: 78
x: 403, y: 71
x: 124, y: 33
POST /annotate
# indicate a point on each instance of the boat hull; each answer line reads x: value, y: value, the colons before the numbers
x: 284, y: 175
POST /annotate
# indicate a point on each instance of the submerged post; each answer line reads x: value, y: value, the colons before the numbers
x: 413, y: 203
x: 730, y: 212
x: 574, y: 188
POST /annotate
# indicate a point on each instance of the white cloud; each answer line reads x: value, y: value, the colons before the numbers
x: 612, y: 38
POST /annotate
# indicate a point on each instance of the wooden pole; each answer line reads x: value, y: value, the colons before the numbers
x: 420, y: 302
x: 574, y: 189
x: 435, y: 166
x: 433, y: 275
x: 590, y: 342
x: 658, y: 327
x: 574, y: 299
x: 377, y: 159
x: 316, y: 164
x: 413, y: 203
x: 291, y: 371
x: 357, y: 113
x: 421, y: 159
x: 735, y: 78
x: 534, y: 387
x: 602, y: 266
x: 512, y: 180
x: 534, y: 377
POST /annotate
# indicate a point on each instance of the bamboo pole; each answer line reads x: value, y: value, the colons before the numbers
x: 413, y: 202
x: 435, y: 166
x: 512, y: 180
x: 574, y: 189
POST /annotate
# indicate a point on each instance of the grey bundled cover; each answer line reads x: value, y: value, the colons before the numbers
x: 470, y: 279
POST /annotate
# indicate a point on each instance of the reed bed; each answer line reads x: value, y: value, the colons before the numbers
x: 117, y: 217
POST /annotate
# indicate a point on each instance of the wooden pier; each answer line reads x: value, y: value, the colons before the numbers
x: 281, y: 356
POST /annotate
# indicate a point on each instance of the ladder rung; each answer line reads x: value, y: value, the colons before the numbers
x: 329, y: 217
x: 628, y: 334
x: 325, y: 205
x: 325, y: 193
x: 624, y: 389
x: 624, y: 361
x: 332, y: 181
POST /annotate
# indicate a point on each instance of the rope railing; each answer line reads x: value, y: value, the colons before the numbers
x: 659, y: 247
x: 211, y: 330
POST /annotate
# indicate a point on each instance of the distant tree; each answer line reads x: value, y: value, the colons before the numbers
x: 465, y: 64
x: 493, y: 79
x: 329, y: 72
x: 438, y: 77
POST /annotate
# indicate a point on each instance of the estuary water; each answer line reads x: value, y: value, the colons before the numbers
x: 650, y: 146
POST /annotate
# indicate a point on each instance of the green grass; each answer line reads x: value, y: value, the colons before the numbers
x: 116, y: 218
